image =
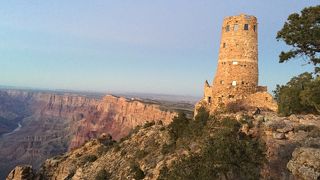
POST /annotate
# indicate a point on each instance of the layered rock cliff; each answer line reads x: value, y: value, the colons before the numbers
x: 117, y: 116
x: 52, y: 123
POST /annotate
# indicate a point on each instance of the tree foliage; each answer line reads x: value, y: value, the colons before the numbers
x: 178, y: 126
x: 300, y: 95
x: 302, y: 32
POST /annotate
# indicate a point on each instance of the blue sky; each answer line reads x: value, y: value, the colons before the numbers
x: 159, y: 46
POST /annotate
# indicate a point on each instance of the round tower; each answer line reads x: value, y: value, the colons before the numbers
x: 237, y: 70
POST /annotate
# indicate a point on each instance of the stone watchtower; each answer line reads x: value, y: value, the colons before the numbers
x: 236, y: 79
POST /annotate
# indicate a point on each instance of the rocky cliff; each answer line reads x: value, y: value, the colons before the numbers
x: 147, y: 153
x: 52, y: 123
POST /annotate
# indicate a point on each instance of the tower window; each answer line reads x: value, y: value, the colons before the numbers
x: 209, y: 99
x: 235, y: 28
x: 234, y: 83
x: 224, y: 45
x: 246, y: 26
x: 254, y: 28
x: 221, y: 82
x: 227, y: 28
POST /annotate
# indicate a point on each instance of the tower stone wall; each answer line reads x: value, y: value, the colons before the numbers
x: 236, y: 78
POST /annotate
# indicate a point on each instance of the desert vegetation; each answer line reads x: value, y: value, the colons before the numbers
x: 223, y: 150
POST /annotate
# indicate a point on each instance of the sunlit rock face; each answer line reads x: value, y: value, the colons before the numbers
x: 53, y: 123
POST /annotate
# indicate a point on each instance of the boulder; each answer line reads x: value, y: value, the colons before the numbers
x: 279, y: 136
x: 285, y: 129
x: 259, y: 118
x: 21, y: 173
x: 294, y: 118
x: 305, y: 163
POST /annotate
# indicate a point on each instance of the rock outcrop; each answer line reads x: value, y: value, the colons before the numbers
x: 305, y: 163
x: 21, y: 173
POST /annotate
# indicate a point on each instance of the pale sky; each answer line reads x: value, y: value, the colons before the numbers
x: 159, y: 46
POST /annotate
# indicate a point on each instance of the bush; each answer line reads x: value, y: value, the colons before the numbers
x: 306, y: 128
x: 178, y: 126
x: 148, y: 124
x: 168, y: 148
x: 102, y: 175
x: 136, y: 171
x: 314, y: 133
x: 228, y: 154
x: 141, y: 154
x: 88, y: 158
x: 106, y: 140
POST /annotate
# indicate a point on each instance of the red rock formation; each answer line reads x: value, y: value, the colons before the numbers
x: 117, y: 116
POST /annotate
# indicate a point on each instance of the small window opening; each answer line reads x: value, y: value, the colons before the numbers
x: 209, y: 99
x: 242, y: 82
x: 221, y: 82
x: 234, y: 83
x: 236, y: 27
x: 231, y: 96
x: 224, y: 45
x: 254, y: 28
x: 267, y: 99
x: 227, y: 28
x: 246, y: 26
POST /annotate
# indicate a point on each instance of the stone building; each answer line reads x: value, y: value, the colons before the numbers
x: 236, y: 80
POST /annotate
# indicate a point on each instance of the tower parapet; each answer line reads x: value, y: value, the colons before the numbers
x: 237, y: 74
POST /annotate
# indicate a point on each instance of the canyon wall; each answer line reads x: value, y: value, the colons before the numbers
x: 117, y: 116
x: 52, y: 123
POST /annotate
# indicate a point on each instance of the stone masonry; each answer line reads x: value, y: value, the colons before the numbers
x: 236, y: 79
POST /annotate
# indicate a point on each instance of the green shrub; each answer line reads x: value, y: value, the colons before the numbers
x: 106, y: 140
x: 141, y: 154
x: 178, y: 126
x: 102, y: 150
x: 102, y: 175
x: 88, y: 158
x: 314, y: 133
x: 117, y: 147
x: 168, y: 148
x: 228, y: 154
x: 136, y: 171
x: 306, y: 128
x: 148, y: 124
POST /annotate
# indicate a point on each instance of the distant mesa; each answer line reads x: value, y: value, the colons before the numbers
x: 235, y: 84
